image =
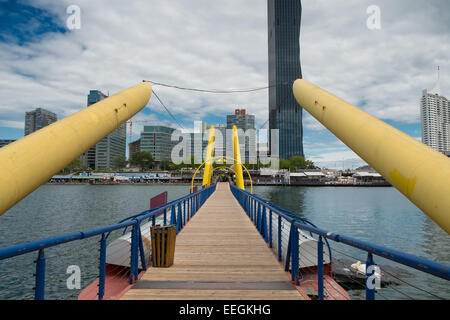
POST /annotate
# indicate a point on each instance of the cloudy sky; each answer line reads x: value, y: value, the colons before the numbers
x: 220, y: 44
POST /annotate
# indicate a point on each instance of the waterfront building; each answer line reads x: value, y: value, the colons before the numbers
x: 285, y: 114
x: 5, y: 142
x: 435, y: 119
x: 134, y: 146
x: 157, y: 141
x: 220, y: 142
x: 38, y: 119
x: 247, y: 134
x: 110, y: 147
x: 102, y: 155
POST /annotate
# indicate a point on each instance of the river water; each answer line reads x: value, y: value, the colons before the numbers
x: 379, y: 215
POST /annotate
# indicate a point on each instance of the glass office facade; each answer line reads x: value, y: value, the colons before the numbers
x: 285, y: 114
x: 38, y: 119
x: 102, y: 155
x: 157, y: 141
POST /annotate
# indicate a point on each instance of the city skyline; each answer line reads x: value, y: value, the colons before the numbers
x: 230, y: 59
x: 435, y: 119
x: 285, y: 114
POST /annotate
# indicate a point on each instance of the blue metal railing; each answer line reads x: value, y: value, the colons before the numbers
x: 256, y: 207
x: 182, y: 210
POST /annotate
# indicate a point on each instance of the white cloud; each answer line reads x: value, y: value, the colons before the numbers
x: 223, y: 44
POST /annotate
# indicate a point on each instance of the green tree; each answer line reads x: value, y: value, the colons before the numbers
x: 120, y: 162
x: 298, y: 162
x: 142, y: 159
x: 164, y: 165
x: 285, y: 164
x: 75, y: 165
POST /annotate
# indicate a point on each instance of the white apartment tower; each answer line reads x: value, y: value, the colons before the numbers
x: 435, y: 117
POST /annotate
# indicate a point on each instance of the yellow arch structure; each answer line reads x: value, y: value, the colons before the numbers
x: 222, y: 157
x: 32, y: 160
x: 416, y: 170
x: 237, y: 160
x: 209, y: 155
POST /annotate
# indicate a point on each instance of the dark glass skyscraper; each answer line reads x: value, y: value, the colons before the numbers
x: 284, y: 18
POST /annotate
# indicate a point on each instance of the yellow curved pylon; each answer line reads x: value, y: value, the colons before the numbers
x: 32, y: 160
x: 419, y: 172
x: 237, y: 160
x: 222, y: 157
x: 209, y: 156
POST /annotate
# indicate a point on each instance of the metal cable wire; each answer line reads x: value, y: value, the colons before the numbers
x: 395, y: 276
x: 168, y: 111
x: 391, y: 287
x: 229, y: 91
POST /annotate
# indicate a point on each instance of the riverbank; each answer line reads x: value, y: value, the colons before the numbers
x: 188, y: 184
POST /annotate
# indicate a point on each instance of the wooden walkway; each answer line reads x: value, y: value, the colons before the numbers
x: 219, y: 255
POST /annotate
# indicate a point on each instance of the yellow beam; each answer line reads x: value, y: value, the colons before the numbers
x: 33, y: 160
x: 419, y: 172
x: 209, y: 157
x: 237, y: 160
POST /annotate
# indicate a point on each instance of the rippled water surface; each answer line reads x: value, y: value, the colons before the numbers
x: 379, y: 215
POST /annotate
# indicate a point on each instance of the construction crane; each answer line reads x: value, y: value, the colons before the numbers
x: 130, y: 122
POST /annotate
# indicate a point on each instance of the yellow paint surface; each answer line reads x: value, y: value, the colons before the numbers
x: 419, y: 172
x: 31, y: 161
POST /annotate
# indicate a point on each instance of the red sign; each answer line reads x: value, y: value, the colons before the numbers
x: 159, y: 200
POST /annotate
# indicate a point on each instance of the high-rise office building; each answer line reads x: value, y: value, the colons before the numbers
x: 37, y: 119
x: 247, y: 134
x: 220, y: 141
x: 110, y: 147
x: 435, y: 119
x: 157, y: 141
x: 284, y: 18
x: 135, y: 147
x: 102, y: 155
x: 5, y: 142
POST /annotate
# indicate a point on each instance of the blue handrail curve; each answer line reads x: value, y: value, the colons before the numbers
x: 195, y: 199
x: 428, y: 266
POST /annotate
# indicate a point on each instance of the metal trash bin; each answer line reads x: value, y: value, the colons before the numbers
x: 163, y: 245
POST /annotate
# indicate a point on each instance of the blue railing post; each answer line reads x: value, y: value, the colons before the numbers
x: 270, y: 229
x: 295, y: 256
x: 141, y: 249
x: 320, y: 268
x: 258, y: 218
x: 184, y: 212
x: 165, y: 217
x: 370, y: 279
x: 279, y: 238
x: 179, y: 219
x: 39, y: 289
x: 101, y: 278
x: 173, y: 217
x: 288, y: 251
x: 134, y: 255
x: 264, y: 224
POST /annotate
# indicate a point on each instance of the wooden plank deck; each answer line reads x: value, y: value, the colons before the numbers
x: 219, y: 255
